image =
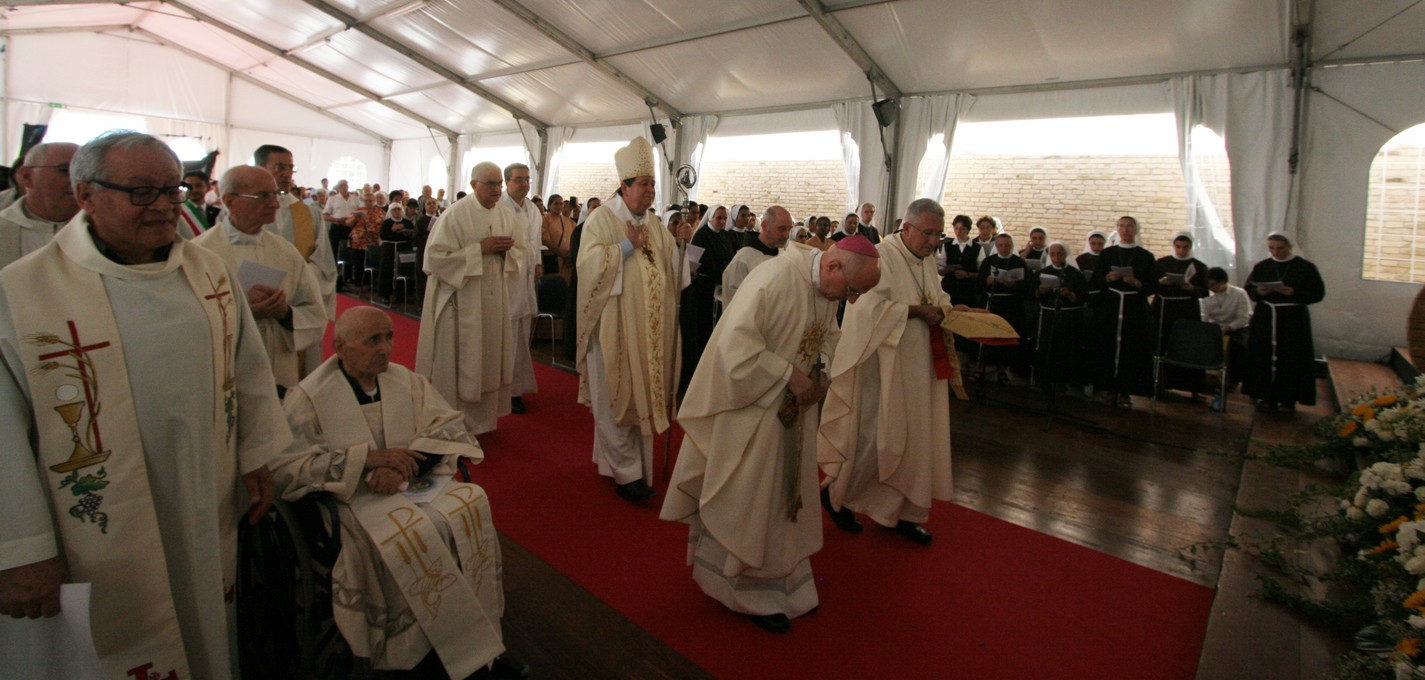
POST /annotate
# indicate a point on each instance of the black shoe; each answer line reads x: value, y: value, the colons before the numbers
x: 844, y: 519
x: 517, y: 405
x: 636, y: 490
x: 772, y: 623
x: 914, y: 532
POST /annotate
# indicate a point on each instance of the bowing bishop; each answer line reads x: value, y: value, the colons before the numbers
x: 745, y: 481
x: 466, y: 346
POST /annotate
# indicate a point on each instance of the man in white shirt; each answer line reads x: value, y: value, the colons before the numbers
x: 1229, y: 307
x: 340, y: 206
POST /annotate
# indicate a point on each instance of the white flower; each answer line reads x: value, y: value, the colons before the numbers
x: 1361, y: 442
x: 1417, y: 622
x: 1361, y: 496
x: 1415, y: 565
x: 1376, y: 507
x: 1419, y: 494
x: 1408, y: 537
x: 1355, y: 513
x: 1385, y: 435
x: 1397, y: 487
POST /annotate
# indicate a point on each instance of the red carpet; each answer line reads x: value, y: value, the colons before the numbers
x: 988, y: 600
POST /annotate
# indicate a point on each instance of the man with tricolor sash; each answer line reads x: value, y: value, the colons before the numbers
x: 138, y: 416
x: 415, y: 585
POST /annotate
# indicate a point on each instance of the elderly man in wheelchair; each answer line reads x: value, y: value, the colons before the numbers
x: 415, y: 565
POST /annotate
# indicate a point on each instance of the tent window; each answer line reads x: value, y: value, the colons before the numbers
x: 587, y: 169
x: 436, y: 174
x: 77, y: 127
x: 800, y: 171
x: 1395, y: 213
x: 1071, y: 176
x: 349, y: 168
x: 187, y: 148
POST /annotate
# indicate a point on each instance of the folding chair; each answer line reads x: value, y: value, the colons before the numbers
x: 404, y: 272
x: 1197, y: 345
x: 551, y: 294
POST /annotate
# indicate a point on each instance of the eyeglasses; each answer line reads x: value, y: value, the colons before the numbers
x: 492, y: 185
x: 927, y: 233
x: 146, y: 195
x: 260, y: 198
x: 61, y: 168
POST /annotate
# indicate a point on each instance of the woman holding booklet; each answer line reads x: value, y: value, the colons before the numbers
x: 1280, y: 354
x: 1182, y: 283
x: 1058, y: 339
x: 1124, y: 324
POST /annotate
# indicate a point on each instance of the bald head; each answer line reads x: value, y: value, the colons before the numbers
x: 250, y: 195
x: 487, y: 180
x: 846, y: 274
x: 45, y: 179
x: 776, y: 227
x: 354, y: 322
x: 362, y: 340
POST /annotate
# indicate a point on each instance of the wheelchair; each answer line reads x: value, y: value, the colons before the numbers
x: 284, y: 594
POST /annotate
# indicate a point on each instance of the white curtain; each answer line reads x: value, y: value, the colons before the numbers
x: 866, y: 174
x: 921, y: 118
x: 1252, y: 112
x: 533, y: 149
x: 692, y: 141
x: 554, y: 149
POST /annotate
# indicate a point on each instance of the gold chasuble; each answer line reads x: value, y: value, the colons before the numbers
x: 91, y: 457
x: 630, y: 303
x: 409, y: 577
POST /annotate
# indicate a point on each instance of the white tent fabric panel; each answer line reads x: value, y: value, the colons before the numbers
x: 1359, y: 318
x: 58, y: 16
x: 752, y: 68
x: 312, y: 155
x: 608, y: 25
x: 257, y: 109
x: 121, y: 75
x: 988, y: 44
x: 577, y: 93
x: 304, y: 84
x: 455, y: 107
x: 382, y: 120
x: 411, y: 163
x: 1340, y: 22
x: 366, y: 63
x: 473, y: 37
x: 819, y: 118
x: 1101, y: 101
x: 283, y: 23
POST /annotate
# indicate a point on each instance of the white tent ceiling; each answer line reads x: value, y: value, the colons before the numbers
x: 406, y: 69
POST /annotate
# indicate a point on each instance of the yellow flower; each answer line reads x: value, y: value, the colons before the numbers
x: 1384, y: 401
x: 1416, y: 600
x: 1364, y: 412
x: 1390, y: 528
x: 1348, y: 428
x: 1384, y: 547
x: 1419, y: 511
x: 1408, y: 647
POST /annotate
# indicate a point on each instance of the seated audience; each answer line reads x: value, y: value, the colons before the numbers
x: 1229, y: 307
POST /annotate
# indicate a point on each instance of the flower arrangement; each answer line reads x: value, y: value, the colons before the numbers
x: 1377, y: 589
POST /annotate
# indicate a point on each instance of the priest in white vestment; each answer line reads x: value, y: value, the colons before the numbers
x: 884, y: 443
x: 300, y: 223
x: 428, y: 572
x: 291, y: 315
x: 763, y: 247
x: 630, y: 277
x: 48, y: 204
x: 522, y: 301
x: 466, y: 345
x: 745, y: 481
x: 136, y: 403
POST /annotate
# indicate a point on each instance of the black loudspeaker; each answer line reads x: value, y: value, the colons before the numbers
x: 887, y: 110
x: 659, y: 133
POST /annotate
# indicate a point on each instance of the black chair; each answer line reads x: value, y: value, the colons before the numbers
x: 404, y: 271
x: 379, y: 260
x: 551, y: 295
x: 1196, y: 345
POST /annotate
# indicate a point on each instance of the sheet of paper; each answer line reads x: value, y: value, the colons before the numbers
x: 254, y: 273
x: 1048, y: 281
x: 1088, y: 273
x: 1121, y: 270
x: 977, y: 325
x: 1034, y: 265
x: 1268, y: 287
x: 695, y: 253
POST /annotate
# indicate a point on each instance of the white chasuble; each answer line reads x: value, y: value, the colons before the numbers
x: 301, y: 225
x: 466, y: 344
x: 627, y: 307
x: 884, y: 442
x: 150, y: 394
x: 523, y: 304
x: 742, y: 478
x: 303, y: 291
x: 408, y: 577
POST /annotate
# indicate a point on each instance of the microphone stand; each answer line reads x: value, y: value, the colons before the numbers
x: 1051, y: 410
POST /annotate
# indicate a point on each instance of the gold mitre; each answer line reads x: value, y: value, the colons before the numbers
x: 634, y: 160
